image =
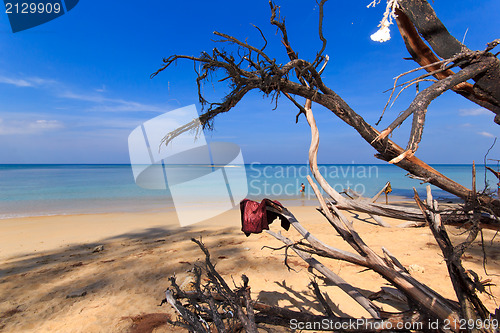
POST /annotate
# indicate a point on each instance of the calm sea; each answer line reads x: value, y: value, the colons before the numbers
x: 35, y: 190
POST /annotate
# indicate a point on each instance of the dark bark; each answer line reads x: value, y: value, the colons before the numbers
x: 424, y: 56
x: 496, y: 173
x: 253, y: 69
x: 279, y: 316
x: 471, y: 306
x: 419, y: 105
x: 387, y: 149
x: 423, y: 17
x: 258, y: 312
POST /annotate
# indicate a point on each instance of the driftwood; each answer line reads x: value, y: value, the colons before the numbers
x: 371, y: 207
x: 376, y: 218
x: 425, y: 305
x: 209, y: 307
x: 496, y: 173
x: 215, y: 305
x: 254, y: 69
x: 471, y: 307
x: 429, y: 302
x: 418, y: 17
x: 226, y: 309
x: 236, y: 304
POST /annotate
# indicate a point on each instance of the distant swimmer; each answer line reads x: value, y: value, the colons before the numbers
x: 302, y: 187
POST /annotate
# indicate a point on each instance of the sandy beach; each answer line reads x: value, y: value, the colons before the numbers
x: 52, y: 281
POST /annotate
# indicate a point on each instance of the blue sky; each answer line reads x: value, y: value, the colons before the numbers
x: 73, y: 89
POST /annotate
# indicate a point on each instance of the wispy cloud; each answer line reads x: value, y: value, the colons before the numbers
x: 474, y: 112
x: 486, y: 134
x: 105, y: 124
x: 46, y: 124
x: 9, y: 127
x: 15, y: 82
x: 112, y: 104
x: 96, y: 98
x: 26, y: 82
x: 129, y: 106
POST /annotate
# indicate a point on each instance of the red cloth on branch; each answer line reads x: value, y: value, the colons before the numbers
x: 255, y: 217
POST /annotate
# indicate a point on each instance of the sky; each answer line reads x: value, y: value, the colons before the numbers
x: 73, y: 89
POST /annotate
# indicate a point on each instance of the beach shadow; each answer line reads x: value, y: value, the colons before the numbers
x: 369, y: 220
x: 303, y: 301
x: 75, y: 253
x: 478, y: 253
x: 40, y: 285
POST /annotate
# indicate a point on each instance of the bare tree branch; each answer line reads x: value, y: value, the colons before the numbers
x: 419, y: 105
x: 419, y: 15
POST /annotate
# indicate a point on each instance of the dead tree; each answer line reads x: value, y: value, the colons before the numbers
x: 251, y: 68
x: 425, y: 301
x: 211, y: 302
x: 417, y: 18
x: 228, y: 310
x: 214, y: 305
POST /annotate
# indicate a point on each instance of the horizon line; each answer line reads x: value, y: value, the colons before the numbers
x: 258, y: 163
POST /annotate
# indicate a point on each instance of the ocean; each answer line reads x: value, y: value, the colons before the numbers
x: 39, y: 190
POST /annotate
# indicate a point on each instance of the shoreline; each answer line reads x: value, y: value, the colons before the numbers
x: 308, y: 200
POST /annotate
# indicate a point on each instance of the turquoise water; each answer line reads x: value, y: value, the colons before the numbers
x: 363, y: 178
x: 33, y: 190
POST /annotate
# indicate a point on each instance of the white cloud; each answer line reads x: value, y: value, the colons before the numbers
x: 46, y: 124
x: 105, y: 124
x: 113, y: 104
x: 81, y: 97
x: 26, y: 82
x: 15, y: 82
x: 486, y: 134
x: 129, y: 106
x: 101, y: 103
x: 474, y: 112
x: 11, y: 127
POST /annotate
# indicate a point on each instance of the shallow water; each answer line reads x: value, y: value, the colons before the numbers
x: 33, y: 190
